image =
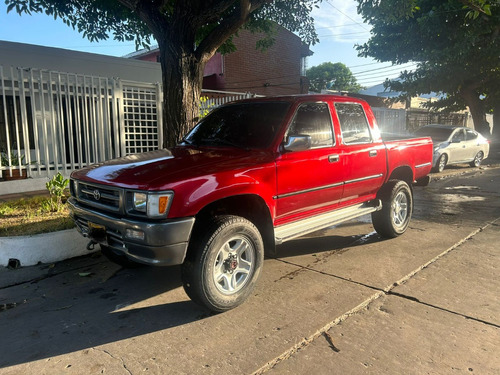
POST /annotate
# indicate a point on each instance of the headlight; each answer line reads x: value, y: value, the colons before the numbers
x: 140, y: 202
x: 436, y: 148
x: 154, y: 205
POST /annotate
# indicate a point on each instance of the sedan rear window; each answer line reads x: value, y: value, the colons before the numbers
x: 437, y: 134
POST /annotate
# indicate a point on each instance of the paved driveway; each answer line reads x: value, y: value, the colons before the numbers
x: 342, y: 301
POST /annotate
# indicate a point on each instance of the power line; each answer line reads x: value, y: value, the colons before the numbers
x: 337, y: 35
x: 357, y: 66
x: 390, y: 68
x: 352, y: 19
x: 335, y: 26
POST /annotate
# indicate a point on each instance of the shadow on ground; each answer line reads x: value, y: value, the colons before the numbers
x: 86, y: 303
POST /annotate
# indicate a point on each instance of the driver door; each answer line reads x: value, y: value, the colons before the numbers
x: 309, y: 180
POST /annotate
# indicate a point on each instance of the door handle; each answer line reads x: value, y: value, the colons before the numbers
x: 333, y: 158
x: 373, y: 153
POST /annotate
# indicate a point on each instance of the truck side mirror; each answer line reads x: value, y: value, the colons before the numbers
x: 298, y: 143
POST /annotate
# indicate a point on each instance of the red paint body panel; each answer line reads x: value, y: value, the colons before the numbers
x: 294, y: 185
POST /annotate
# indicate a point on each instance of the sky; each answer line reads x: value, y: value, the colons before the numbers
x: 338, y: 25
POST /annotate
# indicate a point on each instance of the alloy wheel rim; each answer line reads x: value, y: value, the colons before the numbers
x: 400, y: 209
x: 234, y: 265
x: 478, y: 159
x: 442, y: 163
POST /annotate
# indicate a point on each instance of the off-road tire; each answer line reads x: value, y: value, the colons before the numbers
x: 223, y: 263
x: 397, y: 206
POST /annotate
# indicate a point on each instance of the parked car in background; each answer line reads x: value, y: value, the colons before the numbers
x: 454, y: 145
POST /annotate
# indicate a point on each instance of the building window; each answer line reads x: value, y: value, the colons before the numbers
x: 303, y: 66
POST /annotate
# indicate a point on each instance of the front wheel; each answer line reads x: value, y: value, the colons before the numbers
x: 477, y: 159
x: 223, y: 266
x: 443, y: 159
x: 397, y: 206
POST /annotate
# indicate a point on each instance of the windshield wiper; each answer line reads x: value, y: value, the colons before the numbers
x: 186, y: 141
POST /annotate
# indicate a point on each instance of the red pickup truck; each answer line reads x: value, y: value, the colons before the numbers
x: 249, y: 176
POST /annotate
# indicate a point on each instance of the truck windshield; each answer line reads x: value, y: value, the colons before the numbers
x: 241, y: 125
x: 437, y: 134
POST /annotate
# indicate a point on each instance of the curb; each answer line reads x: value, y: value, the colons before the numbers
x: 42, y: 248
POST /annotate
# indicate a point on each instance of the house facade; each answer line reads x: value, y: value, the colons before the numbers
x: 279, y: 70
x: 61, y: 110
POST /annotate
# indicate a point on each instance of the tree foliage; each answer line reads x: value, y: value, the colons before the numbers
x: 337, y: 77
x: 454, y: 42
x: 188, y: 34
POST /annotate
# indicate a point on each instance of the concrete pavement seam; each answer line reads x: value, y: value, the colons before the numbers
x: 416, y: 300
x: 306, y: 341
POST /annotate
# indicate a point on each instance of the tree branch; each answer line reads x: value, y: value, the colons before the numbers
x: 472, y: 6
x: 227, y: 27
x: 150, y: 13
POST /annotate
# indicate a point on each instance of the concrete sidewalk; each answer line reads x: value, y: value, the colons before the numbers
x: 340, y: 301
x: 443, y: 320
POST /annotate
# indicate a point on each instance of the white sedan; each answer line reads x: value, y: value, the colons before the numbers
x: 454, y: 145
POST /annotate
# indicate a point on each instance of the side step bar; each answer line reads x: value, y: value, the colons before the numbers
x: 299, y: 228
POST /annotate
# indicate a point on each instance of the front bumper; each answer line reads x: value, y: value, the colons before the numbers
x: 164, y: 242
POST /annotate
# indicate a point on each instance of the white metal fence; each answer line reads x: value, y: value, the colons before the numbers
x: 390, y: 120
x: 56, y: 122
x: 52, y: 121
x: 211, y: 99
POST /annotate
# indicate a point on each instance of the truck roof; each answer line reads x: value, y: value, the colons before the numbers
x: 304, y: 98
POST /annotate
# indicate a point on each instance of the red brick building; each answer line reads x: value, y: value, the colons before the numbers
x: 280, y: 70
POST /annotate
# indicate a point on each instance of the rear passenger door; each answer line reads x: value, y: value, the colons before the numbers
x: 457, y: 147
x: 309, y: 181
x: 472, y: 144
x: 363, y: 154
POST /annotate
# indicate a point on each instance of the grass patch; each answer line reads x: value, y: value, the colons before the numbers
x: 30, y: 216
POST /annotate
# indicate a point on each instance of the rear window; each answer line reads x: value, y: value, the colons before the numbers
x: 242, y: 125
x: 437, y: 134
x: 353, y: 123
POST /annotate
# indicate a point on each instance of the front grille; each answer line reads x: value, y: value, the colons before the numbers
x: 100, y: 196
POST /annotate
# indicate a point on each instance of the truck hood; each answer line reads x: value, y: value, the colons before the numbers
x: 161, y: 169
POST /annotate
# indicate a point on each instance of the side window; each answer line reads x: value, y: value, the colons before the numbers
x: 471, y: 135
x: 459, y: 136
x: 313, y: 119
x: 353, y: 123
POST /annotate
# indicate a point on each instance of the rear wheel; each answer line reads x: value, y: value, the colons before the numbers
x: 397, y: 206
x: 477, y: 159
x: 223, y: 266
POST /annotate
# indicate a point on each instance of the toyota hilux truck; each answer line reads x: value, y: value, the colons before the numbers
x: 248, y: 177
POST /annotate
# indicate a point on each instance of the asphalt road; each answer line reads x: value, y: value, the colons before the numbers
x: 341, y: 301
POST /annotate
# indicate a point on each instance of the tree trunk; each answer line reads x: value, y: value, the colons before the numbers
x: 182, y: 82
x: 476, y: 107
